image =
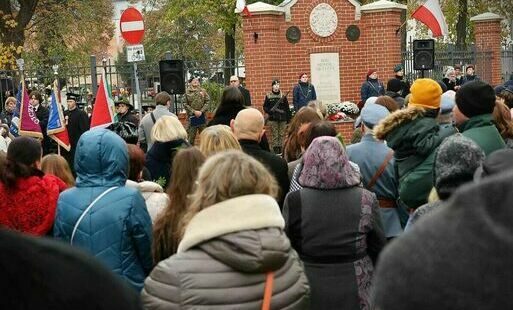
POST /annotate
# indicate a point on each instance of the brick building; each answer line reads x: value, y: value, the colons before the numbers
x: 329, y: 39
x: 336, y: 42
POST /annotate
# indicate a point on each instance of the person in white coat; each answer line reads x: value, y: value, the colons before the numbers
x: 154, y: 195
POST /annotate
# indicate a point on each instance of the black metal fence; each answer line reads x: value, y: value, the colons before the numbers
x: 507, y: 62
x: 84, y: 80
x: 450, y: 58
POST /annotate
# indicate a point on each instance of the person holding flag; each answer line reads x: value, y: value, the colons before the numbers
x: 77, y: 123
x: 28, y: 123
x: 42, y: 114
x: 56, y: 128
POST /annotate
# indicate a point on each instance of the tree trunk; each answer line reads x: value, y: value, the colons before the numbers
x: 16, y: 35
x: 461, y: 25
x: 229, y: 55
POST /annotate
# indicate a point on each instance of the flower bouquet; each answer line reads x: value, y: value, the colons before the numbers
x: 349, y: 108
x: 334, y: 112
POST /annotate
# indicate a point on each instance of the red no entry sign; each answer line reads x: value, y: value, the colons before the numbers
x: 132, y: 25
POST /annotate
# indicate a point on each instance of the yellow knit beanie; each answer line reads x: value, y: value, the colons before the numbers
x: 425, y: 93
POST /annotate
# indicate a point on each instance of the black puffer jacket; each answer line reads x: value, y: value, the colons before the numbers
x: 222, y: 261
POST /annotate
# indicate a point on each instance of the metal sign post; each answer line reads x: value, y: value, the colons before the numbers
x: 138, y: 91
x: 132, y: 30
x: 134, y: 54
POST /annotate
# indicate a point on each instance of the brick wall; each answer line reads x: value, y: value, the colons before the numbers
x: 346, y: 128
x: 488, y: 39
x: 273, y: 56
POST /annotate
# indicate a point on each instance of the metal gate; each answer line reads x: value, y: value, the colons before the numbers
x: 449, y: 57
x: 507, y: 62
x: 83, y: 80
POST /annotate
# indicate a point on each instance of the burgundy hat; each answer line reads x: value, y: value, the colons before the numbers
x: 371, y: 71
x: 471, y: 66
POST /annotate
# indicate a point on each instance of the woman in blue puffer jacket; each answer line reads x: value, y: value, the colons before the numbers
x: 117, y: 227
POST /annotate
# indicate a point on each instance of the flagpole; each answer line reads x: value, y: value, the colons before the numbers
x: 402, y: 25
x: 21, y: 64
x: 58, y: 149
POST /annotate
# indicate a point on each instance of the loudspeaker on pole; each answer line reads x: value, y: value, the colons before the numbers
x: 424, y: 54
x: 172, y: 76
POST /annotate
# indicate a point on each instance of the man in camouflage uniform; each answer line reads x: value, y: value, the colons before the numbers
x: 276, y: 106
x: 197, y: 103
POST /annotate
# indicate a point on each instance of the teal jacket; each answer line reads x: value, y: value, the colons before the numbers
x: 414, y: 135
x: 483, y: 132
x: 117, y: 230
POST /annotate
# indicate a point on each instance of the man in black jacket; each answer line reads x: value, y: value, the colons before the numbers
x: 77, y: 123
x: 42, y: 114
x: 248, y: 128
x: 234, y: 82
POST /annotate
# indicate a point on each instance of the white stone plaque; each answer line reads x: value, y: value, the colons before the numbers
x: 323, y: 20
x: 326, y: 76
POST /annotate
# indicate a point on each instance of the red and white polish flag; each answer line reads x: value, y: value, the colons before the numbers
x: 242, y: 7
x: 430, y: 14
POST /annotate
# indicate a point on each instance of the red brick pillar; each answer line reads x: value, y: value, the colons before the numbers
x: 383, y: 47
x: 487, y: 30
x: 262, y: 53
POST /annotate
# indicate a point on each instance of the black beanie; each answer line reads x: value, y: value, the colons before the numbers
x: 475, y: 98
x: 394, y: 85
x: 24, y: 150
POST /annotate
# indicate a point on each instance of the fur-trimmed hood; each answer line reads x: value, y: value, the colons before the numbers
x: 396, y: 119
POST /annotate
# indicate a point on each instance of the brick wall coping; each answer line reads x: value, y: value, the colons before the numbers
x: 486, y: 17
x: 288, y: 4
x: 342, y: 121
x: 260, y: 8
x: 382, y: 6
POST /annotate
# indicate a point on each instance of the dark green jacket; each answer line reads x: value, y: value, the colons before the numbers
x: 483, y: 132
x: 414, y: 135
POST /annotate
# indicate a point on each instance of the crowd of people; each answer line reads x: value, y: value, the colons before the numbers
x: 155, y: 214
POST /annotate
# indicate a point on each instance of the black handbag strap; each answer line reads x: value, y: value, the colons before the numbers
x: 153, y: 118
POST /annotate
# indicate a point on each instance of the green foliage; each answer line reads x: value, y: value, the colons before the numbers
x: 451, y: 9
x: 192, y: 29
x: 161, y: 181
x: 50, y: 31
x: 186, y: 36
x: 215, y: 91
x: 71, y: 31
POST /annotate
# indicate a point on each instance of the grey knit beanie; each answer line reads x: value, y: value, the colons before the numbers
x: 456, y: 160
